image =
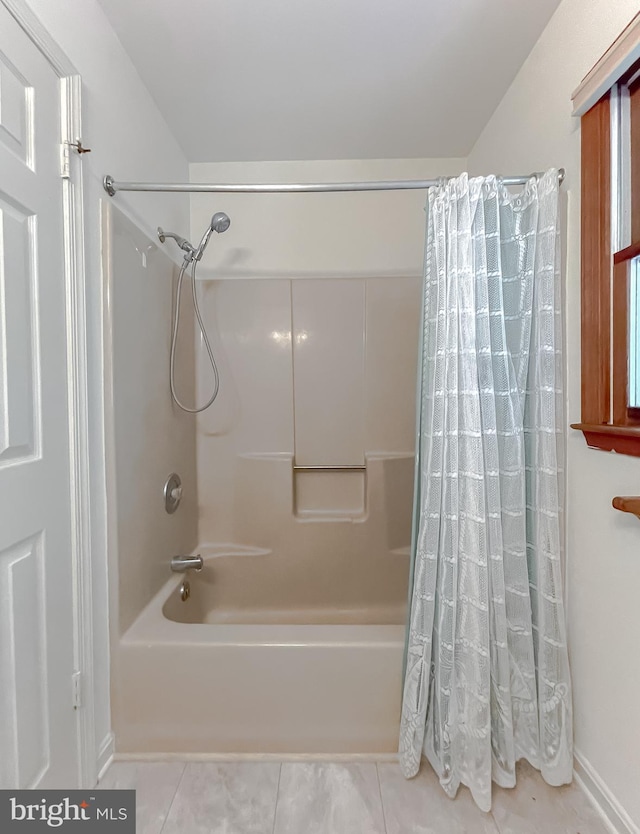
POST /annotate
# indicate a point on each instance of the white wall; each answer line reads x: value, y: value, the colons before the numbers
x: 130, y: 140
x: 532, y: 129
x: 355, y: 234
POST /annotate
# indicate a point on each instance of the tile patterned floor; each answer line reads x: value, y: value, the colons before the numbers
x: 338, y: 798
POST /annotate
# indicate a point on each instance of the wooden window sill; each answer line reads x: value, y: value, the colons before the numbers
x: 622, y: 439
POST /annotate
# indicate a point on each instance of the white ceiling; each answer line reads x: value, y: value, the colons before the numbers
x: 241, y: 80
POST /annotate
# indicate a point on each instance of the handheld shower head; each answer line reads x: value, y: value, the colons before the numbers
x: 220, y: 222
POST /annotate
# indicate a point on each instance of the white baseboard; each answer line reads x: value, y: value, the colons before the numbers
x: 105, y: 754
x: 617, y: 819
x: 256, y: 757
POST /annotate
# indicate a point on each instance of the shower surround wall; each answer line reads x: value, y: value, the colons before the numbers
x: 313, y: 302
x: 306, y: 367
x: 150, y: 436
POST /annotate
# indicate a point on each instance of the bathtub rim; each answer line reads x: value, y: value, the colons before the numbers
x: 151, y: 627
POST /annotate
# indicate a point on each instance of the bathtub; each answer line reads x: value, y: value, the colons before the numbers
x: 218, y: 674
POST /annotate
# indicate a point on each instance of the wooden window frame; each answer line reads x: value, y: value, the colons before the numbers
x: 607, y: 422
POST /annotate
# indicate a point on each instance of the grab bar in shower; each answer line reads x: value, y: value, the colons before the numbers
x: 330, y: 468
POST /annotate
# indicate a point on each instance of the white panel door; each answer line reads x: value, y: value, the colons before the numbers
x: 38, y: 723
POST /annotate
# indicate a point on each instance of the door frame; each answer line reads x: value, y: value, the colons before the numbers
x: 77, y: 383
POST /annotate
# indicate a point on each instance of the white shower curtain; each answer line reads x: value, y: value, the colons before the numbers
x: 487, y: 676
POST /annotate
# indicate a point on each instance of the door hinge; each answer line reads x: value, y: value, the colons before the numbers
x: 65, y: 156
x: 76, y: 689
x: 65, y: 161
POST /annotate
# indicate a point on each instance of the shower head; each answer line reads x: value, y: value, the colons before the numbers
x: 220, y: 222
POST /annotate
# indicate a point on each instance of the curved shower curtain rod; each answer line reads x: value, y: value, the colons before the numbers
x: 111, y: 186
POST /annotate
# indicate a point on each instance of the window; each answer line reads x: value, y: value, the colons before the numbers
x: 634, y: 336
x: 610, y: 251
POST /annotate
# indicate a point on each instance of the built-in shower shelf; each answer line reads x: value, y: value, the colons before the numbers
x: 329, y: 492
x: 329, y: 516
x: 627, y: 504
x: 330, y: 468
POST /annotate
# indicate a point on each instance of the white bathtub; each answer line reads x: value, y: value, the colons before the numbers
x: 279, y: 686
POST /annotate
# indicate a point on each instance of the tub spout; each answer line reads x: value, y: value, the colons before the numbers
x: 179, y: 564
